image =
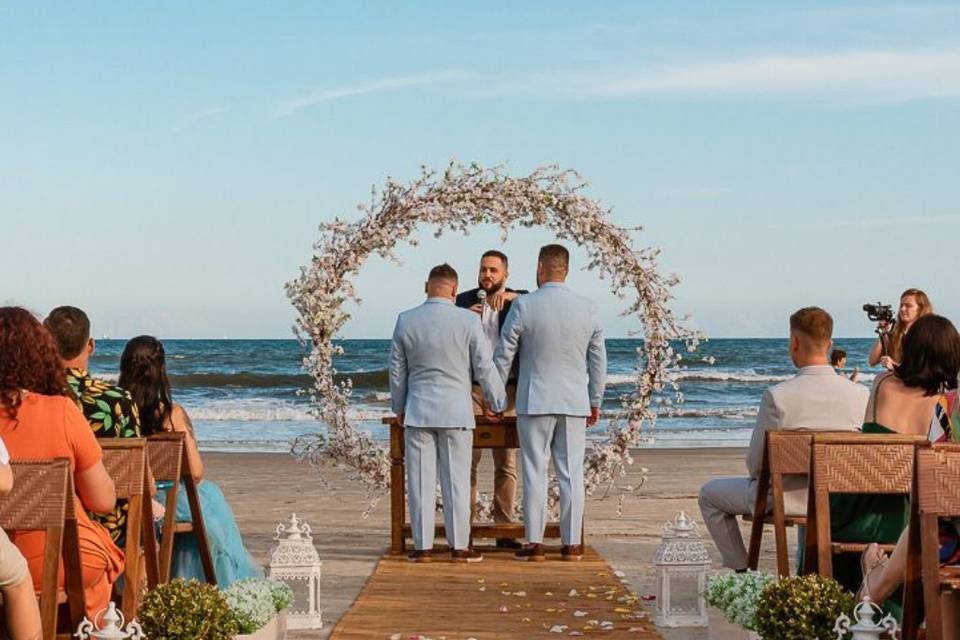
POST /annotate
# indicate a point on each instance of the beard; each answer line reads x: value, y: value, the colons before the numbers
x: 495, y: 287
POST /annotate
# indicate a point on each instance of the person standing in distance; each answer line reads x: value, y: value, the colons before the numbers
x: 436, y: 347
x: 491, y: 300
x: 563, y: 365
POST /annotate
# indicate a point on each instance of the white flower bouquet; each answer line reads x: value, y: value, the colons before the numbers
x: 255, y: 603
x: 736, y: 595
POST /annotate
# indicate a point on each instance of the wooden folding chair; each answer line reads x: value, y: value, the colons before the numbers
x: 936, y: 495
x: 42, y: 500
x: 856, y: 463
x: 784, y: 453
x: 125, y: 461
x: 168, y: 465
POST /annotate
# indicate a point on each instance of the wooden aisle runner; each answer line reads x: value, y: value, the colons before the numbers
x: 498, y: 598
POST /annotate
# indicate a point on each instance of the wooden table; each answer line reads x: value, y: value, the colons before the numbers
x: 489, y: 434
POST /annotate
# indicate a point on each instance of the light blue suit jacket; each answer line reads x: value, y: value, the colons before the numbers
x: 563, y: 360
x: 434, y: 348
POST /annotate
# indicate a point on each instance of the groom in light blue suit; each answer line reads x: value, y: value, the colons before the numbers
x: 435, y: 347
x: 563, y: 364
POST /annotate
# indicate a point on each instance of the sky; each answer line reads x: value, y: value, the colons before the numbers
x: 165, y: 165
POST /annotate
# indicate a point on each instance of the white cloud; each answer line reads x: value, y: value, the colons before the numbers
x: 855, y: 75
x: 381, y: 85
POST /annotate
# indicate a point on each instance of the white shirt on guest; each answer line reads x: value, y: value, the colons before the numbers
x: 490, y: 319
x: 4, y: 455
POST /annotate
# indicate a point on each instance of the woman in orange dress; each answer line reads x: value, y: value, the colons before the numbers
x: 38, y: 421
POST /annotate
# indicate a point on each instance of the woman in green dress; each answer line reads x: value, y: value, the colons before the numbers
x: 902, y: 401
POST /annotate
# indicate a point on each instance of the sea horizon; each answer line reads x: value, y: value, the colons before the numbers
x: 252, y: 394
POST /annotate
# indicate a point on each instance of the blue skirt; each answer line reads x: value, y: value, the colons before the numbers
x: 231, y: 560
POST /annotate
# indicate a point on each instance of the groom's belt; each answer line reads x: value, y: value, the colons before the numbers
x: 511, y: 382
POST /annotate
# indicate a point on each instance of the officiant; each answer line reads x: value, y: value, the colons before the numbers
x: 491, y: 300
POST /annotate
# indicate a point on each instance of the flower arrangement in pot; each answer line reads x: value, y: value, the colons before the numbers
x: 736, y: 595
x: 258, y: 607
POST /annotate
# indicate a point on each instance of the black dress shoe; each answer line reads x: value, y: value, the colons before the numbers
x: 509, y: 543
x: 531, y: 553
x: 421, y: 555
x: 466, y: 555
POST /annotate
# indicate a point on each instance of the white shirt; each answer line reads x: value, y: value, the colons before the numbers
x: 490, y: 320
x: 4, y: 455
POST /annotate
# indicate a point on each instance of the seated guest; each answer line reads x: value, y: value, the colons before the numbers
x: 20, y: 611
x: 143, y: 372
x: 38, y: 421
x: 816, y: 399
x: 108, y: 409
x: 883, y: 575
x: 902, y: 401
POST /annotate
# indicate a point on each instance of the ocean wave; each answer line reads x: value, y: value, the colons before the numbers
x: 725, y: 412
x: 255, y: 410
x: 706, y: 375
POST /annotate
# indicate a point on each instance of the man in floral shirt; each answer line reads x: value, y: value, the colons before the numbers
x: 109, y: 409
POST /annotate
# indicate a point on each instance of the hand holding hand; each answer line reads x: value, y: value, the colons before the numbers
x: 594, y: 416
x: 497, y: 300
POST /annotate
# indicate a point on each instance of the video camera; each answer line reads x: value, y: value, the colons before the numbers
x: 880, y: 313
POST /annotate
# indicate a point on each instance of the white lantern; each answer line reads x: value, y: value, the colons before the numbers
x: 865, y: 628
x: 295, y: 562
x: 681, y: 564
x: 108, y: 625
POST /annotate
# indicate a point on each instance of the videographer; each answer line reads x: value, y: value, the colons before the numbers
x: 914, y: 304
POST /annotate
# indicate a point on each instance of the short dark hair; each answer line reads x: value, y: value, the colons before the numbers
x: 930, y: 357
x: 836, y: 356
x: 443, y: 272
x: 814, y: 323
x: 70, y: 328
x: 493, y: 253
x: 554, y: 257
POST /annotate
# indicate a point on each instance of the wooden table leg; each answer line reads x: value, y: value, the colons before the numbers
x: 397, y: 493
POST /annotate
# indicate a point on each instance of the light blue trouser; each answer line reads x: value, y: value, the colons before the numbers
x: 564, y: 437
x: 454, y: 449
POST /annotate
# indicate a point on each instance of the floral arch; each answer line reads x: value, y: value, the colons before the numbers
x: 456, y: 200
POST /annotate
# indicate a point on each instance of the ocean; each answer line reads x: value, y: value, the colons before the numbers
x: 247, y: 395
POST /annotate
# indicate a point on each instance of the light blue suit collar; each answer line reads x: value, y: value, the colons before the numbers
x: 553, y: 285
x: 439, y: 301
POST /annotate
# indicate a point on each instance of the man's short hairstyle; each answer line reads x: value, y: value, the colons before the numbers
x: 836, y: 356
x: 554, y: 257
x: 70, y: 328
x: 814, y: 323
x: 493, y: 253
x: 443, y: 272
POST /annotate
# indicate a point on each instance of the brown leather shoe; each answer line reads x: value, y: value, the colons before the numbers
x: 571, y: 552
x: 421, y: 555
x: 509, y: 543
x: 533, y: 552
x: 466, y: 555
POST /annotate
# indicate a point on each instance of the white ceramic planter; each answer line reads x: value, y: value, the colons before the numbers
x: 276, y: 629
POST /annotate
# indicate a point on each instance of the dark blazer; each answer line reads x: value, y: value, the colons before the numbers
x: 469, y: 298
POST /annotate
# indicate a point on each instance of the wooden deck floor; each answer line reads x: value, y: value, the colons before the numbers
x: 498, y: 598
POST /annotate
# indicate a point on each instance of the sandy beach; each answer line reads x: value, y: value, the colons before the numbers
x: 265, y: 488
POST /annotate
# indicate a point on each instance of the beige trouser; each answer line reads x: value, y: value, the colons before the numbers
x: 504, y: 466
x: 13, y: 567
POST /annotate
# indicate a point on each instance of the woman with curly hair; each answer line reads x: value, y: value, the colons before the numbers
x: 38, y: 421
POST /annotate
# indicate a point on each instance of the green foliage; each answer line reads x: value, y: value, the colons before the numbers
x: 181, y: 610
x: 801, y: 608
